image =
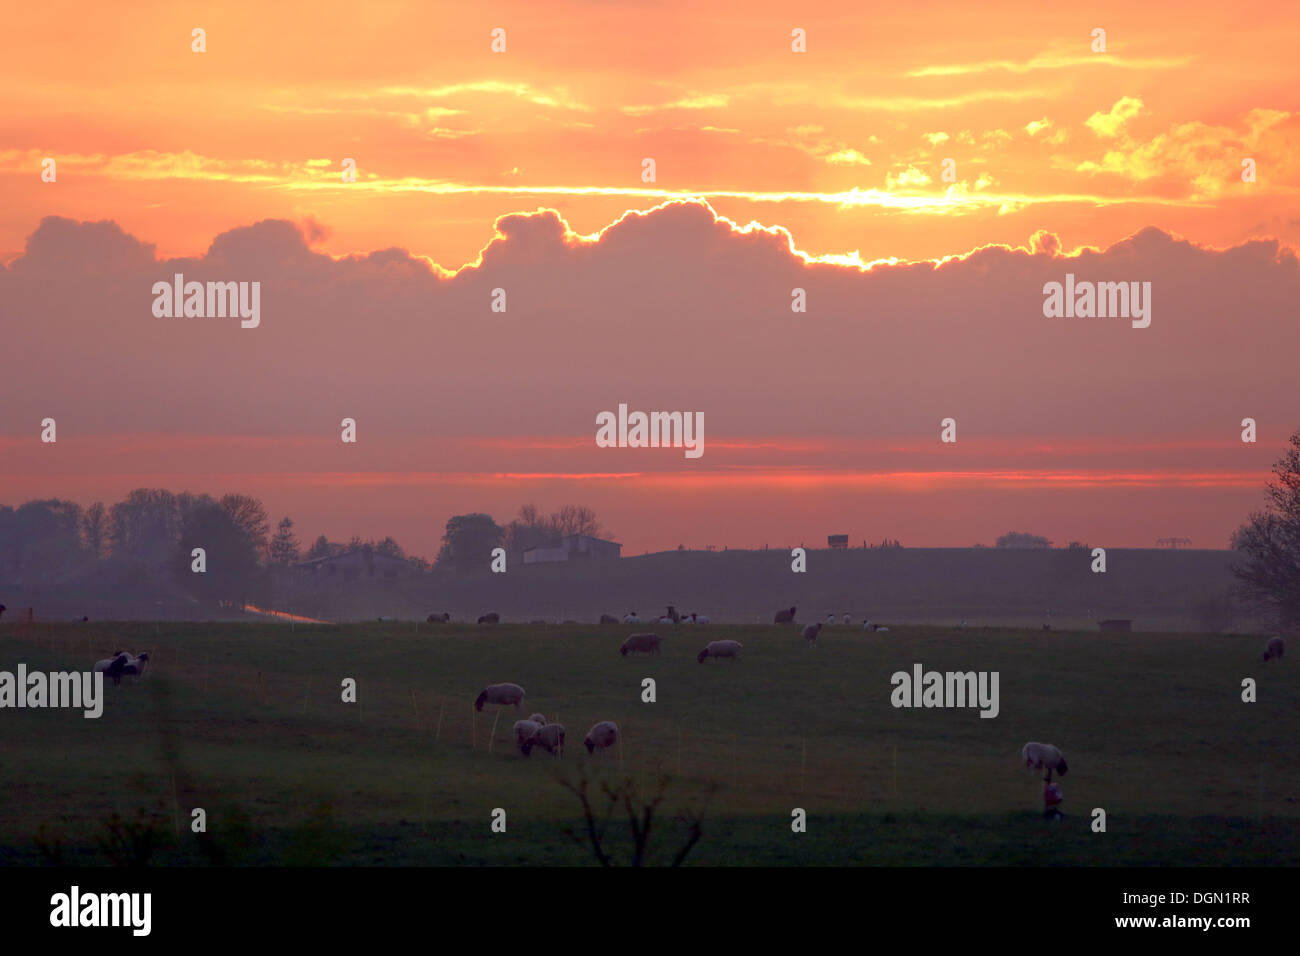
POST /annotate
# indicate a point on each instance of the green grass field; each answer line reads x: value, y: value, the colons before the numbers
x: 246, y: 722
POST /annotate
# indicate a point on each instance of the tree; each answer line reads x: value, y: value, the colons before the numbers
x: 391, y: 548
x: 251, y: 517
x: 468, y: 541
x: 1022, y: 539
x: 94, y: 529
x: 322, y: 547
x: 1269, y: 545
x: 284, y: 546
x: 231, y: 554
x: 143, y: 527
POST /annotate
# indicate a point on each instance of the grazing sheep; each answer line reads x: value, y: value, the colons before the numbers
x: 664, y: 620
x: 847, y: 620
x: 608, y: 619
x: 867, y: 625
x: 880, y: 628
x: 811, y: 631
x: 442, y: 618
x: 524, y: 731
x: 700, y: 619
x: 1275, y: 649
x: 602, y: 736
x: 784, y: 617
x: 504, y: 694
x: 1044, y: 757
x: 550, y: 737
x: 631, y: 618
x: 492, y: 618
x: 729, y: 649
x: 830, y: 619
x: 537, y: 719
x: 113, y: 665
x: 640, y: 644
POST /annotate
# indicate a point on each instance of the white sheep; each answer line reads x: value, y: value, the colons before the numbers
x: 847, y: 620
x: 700, y: 619
x: 550, y: 738
x: 537, y: 719
x: 830, y: 619
x: 811, y: 631
x: 631, y: 618
x: 1275, y: 649
x: 640, y: 644
x: 602, y: 736
x: 1044, y: 757
x: 729, y: 649
x: 524, y: 730
x: 664, y: 620
x: 504, y: 694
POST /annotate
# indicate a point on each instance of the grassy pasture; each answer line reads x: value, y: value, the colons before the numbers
x: 245, y: 721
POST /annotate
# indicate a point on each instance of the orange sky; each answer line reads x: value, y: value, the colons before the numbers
x: 841, y: 146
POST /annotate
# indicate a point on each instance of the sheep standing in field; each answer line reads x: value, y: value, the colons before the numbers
x: 608, y: 619
x: 664, y: 620
x: 811, y: 631
x: 112, y: 666
x: 1274, y: 650
x: 631, y: 618
x: 524, y: 731
x: 701, y: 619
x: 730, y: 649
x: 1044, y: 757
x: 550, y: 737
x: 538, y: 719
x: 640, y: 644
x: 442, y: 618
x: 602, y: 736
x: 491, y: 618
x: 847, y: 620
x: 503, y: 694
x: 673, y: 615
x: 830, y: 619
x: 784, y: 616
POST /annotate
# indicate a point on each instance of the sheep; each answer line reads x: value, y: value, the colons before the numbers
x: 672, y: 613
x: 830, y: 619
x: 700, y: 619
x: 880, y: 629
x: 784, y: 617
x: 729, y: 649
x: 123, y: 664
x: 107, y: 665
x: 442, y: 618
x: 1044, y: 757
x: 538, y: 719
x: 524, y: 731
x: 492, y: 618
x: 631, y: 618
x: 608, y: 619
x: 847, y: 620
x: 811, y: 631
x: 640, y: 644
x: 1275, y: 649
x: 503, y: 694
x: 664, y: 620
x: 134, y: 666
x: 602, y: 736
x: 867, y: 625
x: 550, y: 737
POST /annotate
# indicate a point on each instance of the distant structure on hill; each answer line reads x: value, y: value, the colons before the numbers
x: 573, y: 547
x: 837, y: 540
x: 355, y: 564
x: 1173, y: 542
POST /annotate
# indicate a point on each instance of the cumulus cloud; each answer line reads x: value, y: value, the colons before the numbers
x: 1108, y: 124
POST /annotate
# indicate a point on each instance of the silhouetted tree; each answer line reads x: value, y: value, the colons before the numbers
x: 468, y: 541
x: 1269, y: 545
x: 284, y: 546
x: 1022, y: 539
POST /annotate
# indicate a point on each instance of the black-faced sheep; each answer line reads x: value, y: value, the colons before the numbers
x: 784, y: 616
x: 1044, y: 757
x: 1274, y: 650
x: 524, y: 731
x: 503, y: 694
x: 640, y: 644
x: 602, y: 736
x: 730, y: 649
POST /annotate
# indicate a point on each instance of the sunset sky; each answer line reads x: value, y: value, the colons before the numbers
x: 774, y: 170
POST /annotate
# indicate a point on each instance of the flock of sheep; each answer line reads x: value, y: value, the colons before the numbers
x: 123, y: 664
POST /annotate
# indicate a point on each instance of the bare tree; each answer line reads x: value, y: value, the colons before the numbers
x: 598, y: 810
x: 1269, y: 543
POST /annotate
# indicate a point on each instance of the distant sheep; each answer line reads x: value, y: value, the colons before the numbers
x: 123, y: 664
x: 550, y: 737
x: 537, y: 719
x: 524, y: 730
x: 1044, y: 757
x: 664, y: 620
x: 640, y: 644
x: 784, y: 617
x: 729, y: 649
x: 673, y: 615
x: 504, y: 694
x: 631, y: 618
x: 1274, y: 650
x: 847, y: 620
x: 830, y: 619
x: 811, y: 631
x: 602, y: 736
x: 700, y: 619
x: 608, y: 619
x: 442, y: 618
x: 493, y: 618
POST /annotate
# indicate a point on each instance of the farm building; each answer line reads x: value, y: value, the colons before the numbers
x: 837, y: 540
x: 357, y: 564
x: 574, y: 547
